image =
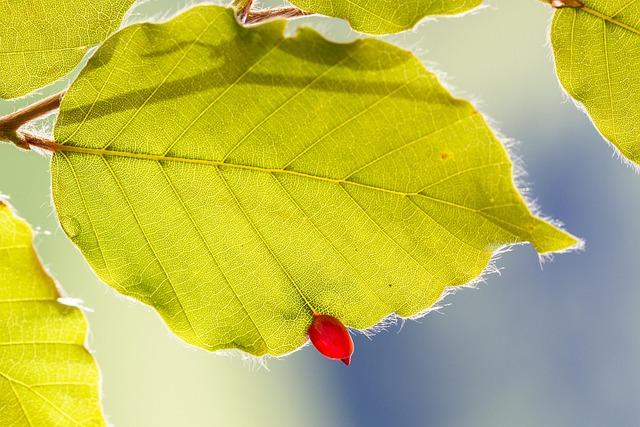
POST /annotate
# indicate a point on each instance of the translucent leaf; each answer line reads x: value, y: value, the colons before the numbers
x: 47, y: 377
x: 385, y: 16
x: 238, y: 180
x: 597, y: 53
x: 241, y: 4
x: 42, y: 40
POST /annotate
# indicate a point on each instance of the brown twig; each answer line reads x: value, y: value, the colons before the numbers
x: 244, y: 12
x: 27, y: 140
x: 257, y: 16
x: 12, y: 122
x: 560, y: 4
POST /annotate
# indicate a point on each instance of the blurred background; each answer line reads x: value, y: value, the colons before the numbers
x: 551, y: 346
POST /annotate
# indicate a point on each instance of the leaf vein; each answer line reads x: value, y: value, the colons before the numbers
x: 155, y: 255
x: 264, y: 242
x: 344, y: 123
x: 407, y: 144
x: 335, y: 249
x: 224, y: 92
x: 28, y: 387
x: 151, y: 157
x: 608, y: 69
x: 159, y: 86
x: 609, y: 19
x: 210, y: 251
x: 15, y: 393
x: 462, y: 172
x: 97, y: 97
x: 451, y: 233
x: 379, y: 227
x: 291, y: 98
x: 86, y: 209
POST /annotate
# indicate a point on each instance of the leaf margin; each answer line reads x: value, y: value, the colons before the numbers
x: 576, y: 243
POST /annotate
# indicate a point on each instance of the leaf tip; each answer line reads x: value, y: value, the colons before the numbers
x: 548, y: 237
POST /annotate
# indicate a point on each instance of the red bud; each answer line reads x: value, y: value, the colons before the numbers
x: 329, y: 336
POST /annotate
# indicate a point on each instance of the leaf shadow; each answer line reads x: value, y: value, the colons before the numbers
x: 231, y: 62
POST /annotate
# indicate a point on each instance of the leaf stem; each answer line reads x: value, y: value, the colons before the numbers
x: 12, y: 122
x: 247, y: 16
x: 26, y: 140
x: 257, y: 16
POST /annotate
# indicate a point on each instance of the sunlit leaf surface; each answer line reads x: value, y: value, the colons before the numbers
x: 42, y: 40
x: 597, y: 52
x: 385, y: 16
x: 47, y: 377
x: 237, y: 180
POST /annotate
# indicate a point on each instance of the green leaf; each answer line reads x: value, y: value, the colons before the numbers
x: 238, y: 180
x: 597, y: 55
x: 385, y: 16
x: 42, y: 40
x: 47, y: 376
x: 241, y: 4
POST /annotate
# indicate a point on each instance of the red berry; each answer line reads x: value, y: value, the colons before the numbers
x: 329, y: 336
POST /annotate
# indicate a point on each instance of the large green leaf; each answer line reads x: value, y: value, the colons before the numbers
x: 597, y: 52
x: 238, y: 180
x: 42, y: 40
x: 47, y: 377
x: 385, y: 16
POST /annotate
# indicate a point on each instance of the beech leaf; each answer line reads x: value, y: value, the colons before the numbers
x: 47, y: 376
x: 597, y: 55
x: 238, y: 180
x: 43, y: 40
x: 385, y: 16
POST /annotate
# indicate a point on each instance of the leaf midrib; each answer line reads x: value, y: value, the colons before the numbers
x: 13, y: 381
x: 610, y: 19
x: 56, y: 147
x: 51, y: 50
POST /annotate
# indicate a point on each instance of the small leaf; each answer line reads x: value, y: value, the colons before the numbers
x: 385, y: 16
x: 238, y: 180
x: 43, y: 40
x: 597, y: 55
x: 47, y: 377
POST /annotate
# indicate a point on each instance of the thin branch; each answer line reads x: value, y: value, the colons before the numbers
x: 27, y: 140
x: 256, y: 16
x: 560, y: 4
x: 243, y: 7
x: 12, y: 122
